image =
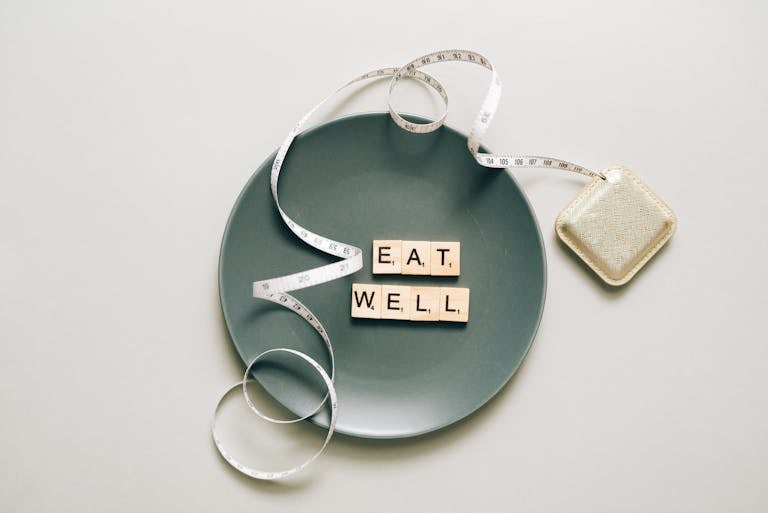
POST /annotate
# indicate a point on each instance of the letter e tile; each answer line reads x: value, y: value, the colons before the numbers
x: 386, y: 256
x: 395, y: 302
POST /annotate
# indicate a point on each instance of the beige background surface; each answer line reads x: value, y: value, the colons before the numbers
x: 127, y: 130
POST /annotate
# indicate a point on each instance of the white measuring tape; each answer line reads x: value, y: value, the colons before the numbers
x: 272, y: 475
x: 276, y: 289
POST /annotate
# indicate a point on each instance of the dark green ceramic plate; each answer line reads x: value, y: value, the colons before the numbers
x: 362, y: 178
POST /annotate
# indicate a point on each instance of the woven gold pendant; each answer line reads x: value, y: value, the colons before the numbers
x: 616, y: 225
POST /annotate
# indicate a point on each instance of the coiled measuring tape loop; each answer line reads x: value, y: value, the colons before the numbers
x: 483, y: 118
x: 272, y: 475
x: 296, y: 306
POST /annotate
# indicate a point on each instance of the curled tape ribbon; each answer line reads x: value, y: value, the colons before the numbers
x: 276, y: 289
x: 272, y: 475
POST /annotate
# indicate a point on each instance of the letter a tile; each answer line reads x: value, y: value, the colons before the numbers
x: 415, y: 257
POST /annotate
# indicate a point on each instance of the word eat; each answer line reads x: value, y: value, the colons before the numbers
x: 416, y: 257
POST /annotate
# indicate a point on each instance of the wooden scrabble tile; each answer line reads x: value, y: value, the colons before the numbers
x: 454, y: 304
x: 366, y: 301
x: 386, y: 256
x: 445, y: 258
x: 415, y: 257
x: 395, y: 302
x: 425, y: 303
